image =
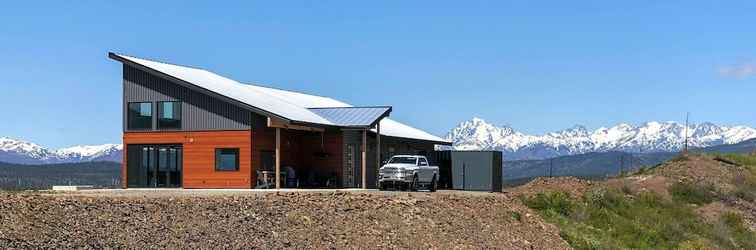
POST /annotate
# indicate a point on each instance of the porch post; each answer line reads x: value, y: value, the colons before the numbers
x: 364, y: 160
x: 278, y: 158
x: 378, y: 148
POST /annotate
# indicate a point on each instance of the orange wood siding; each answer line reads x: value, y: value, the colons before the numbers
x: 199, y: 156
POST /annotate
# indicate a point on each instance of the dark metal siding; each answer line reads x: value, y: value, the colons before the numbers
x: 199, y: 111
x: 477, y: 170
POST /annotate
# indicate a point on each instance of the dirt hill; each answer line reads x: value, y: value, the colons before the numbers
x: 713, y: 196
x: 374, y: 220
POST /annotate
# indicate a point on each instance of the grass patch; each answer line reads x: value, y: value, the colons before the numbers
x: 742, y: 159
x: 553, y: 202
x: 515, y: 215
x: 693, y: 193
x: 734, y: 226
x: 612, y: 219
x: 745, y: 187
x: 745, y: 184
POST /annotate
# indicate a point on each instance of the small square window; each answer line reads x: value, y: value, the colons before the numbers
x: 139, y: 115
x: 169, y: 115
x: 227, y: 159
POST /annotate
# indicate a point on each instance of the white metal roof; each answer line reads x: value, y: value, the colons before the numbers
x: 388, y: 126
x: 234, y: 90
x: 287, y: 104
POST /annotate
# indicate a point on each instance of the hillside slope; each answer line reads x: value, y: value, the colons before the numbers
x: 691, y: 202
x: 243, y: 220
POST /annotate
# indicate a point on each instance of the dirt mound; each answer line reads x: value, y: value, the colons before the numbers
x: 573, y: 186
x: 700, y: 169
x: 273, y: 220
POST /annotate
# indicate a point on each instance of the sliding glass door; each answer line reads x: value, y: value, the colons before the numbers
x: 154, y: 166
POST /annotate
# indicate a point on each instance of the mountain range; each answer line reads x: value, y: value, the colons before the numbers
x: 22, y: 152
x: 649, y: 137
x: 474, y: 134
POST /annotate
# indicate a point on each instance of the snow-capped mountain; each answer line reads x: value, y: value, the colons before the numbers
x: 22, y: 152
x: 477, y: 134
x: 105, y: 152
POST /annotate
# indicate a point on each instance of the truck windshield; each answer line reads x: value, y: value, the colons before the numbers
x: 403, y: 160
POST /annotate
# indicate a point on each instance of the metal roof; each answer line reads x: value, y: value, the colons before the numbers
x: 234, y: 90
x: 353, y: 116
x: 389, y: 127
x: 283, y: 104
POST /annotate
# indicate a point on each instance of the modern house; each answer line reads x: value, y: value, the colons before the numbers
x: 188, y: 127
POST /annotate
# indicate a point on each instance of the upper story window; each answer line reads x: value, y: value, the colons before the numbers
x: 169, y: 115
x: 140, y: 115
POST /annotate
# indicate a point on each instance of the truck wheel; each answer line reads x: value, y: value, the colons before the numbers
x: 433, y: 185
x: 381, y: 186
x: 415, y: 183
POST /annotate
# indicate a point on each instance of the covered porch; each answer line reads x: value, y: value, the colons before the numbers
x: 290, y: 155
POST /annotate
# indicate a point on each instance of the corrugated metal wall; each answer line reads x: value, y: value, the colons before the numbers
x: 198, y: 111
x: 477, y: 170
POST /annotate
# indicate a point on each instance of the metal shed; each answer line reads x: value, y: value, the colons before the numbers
x: 477, y: 170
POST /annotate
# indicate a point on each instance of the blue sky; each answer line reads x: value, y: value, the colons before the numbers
x: 535, y: 65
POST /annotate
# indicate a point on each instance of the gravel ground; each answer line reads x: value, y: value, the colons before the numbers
x: 267, y: 220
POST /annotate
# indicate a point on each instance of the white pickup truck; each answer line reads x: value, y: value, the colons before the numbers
x: 408, y: 172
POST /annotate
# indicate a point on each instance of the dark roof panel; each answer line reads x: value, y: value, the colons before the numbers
x: 353, y: 116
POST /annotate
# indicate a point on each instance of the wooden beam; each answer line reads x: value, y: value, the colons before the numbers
x: 278, y: 123
x: 364, y: 160
x: 378, y: 148
x: 278, y: 158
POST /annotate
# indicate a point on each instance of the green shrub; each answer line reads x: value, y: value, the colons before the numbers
x: 556, y: 202
x: 516, y: 215
x: 737, y: 231
x: 607, y: 218
x: 693, y: 193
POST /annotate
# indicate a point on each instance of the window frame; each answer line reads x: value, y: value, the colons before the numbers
x: 422, y: 162
x: 160, y: 111
x: 129, y: 117
x: 218, y: 152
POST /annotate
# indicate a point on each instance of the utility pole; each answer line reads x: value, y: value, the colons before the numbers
x: 551, y: 168
x: 685, y: 148
x: 622, y: 163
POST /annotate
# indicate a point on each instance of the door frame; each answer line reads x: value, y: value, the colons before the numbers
x: 155, y: 157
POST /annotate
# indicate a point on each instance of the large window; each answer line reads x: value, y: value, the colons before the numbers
x: 227, y: 159
x: 169, y: 115
x: 140, y: 115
